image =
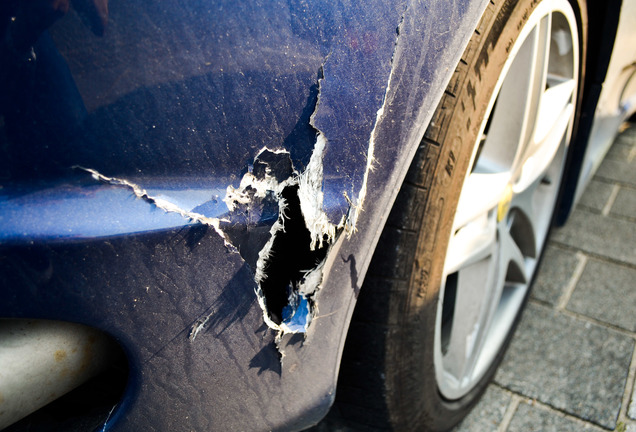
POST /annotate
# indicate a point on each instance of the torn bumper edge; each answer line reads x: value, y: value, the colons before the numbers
x: 298, y: 313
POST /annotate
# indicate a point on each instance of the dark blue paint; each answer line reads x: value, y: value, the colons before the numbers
x: 179, y: 97
x: 75, y: 211
x: 357, y: 73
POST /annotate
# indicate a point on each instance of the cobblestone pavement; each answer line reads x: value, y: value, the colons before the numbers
x: 572, y: 364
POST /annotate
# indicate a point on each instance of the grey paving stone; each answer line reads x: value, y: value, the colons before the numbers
x: 618, y: 170
x: 531, y: 418
x: 622, y: 147
x: 627, y: 134
x: 596, y: 194
x: 596, y: 234
x: 576, y: 367
x: 625, y: 204
x: 488, y: 413
x: 557, y: 268
x: 606, y: 292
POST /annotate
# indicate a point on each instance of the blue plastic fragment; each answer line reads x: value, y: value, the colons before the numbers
x: 295, y: 320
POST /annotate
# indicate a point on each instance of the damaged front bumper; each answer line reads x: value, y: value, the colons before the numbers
x: 199, y: 208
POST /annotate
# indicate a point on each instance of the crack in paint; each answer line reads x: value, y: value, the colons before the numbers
x: 357, y: 207
x: 199, y: 326
x: 310, y: 185
x: 161, y: 203
x: 311, y: 198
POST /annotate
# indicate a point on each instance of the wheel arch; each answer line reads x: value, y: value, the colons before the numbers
x: 580, y: 11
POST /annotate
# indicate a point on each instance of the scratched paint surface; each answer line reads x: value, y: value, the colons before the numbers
x: 179, y: 99
x: 283, y: 86
x: 189, y: 116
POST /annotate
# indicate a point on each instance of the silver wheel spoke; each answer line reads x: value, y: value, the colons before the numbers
x: 556, y: 103
x: 474, y: 286
x: 538, y: 70
x: 556, y: 123
x: 481, y: 283
x: 472, y: 243
x: 514, y: 117
x: 480, y: 194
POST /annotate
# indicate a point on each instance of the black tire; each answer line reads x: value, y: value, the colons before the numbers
x: 388, y: 378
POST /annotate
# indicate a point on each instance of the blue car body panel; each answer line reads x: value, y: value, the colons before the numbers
x: 179, y: 99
